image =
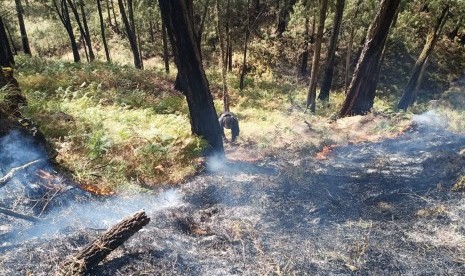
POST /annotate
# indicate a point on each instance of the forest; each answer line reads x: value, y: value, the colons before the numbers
x: 232, y: 137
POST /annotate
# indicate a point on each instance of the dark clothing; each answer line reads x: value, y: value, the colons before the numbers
x: 229, y: 120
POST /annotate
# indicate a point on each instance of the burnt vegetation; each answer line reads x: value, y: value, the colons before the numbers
x: 115, y: 119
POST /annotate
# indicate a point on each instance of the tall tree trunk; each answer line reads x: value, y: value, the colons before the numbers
x: 129, y: 26
x: 223, y: 55
x: 6, y: 56
x: 311, y: 96
x: 86, y: 30
x: 414, y: 82
x: 63, y: 12
x: 361, y: 94
x: 204, y: 121
x: 283, y: 17
x: 22, y: 28
x: 166, y: 56
x: 329, y: 71
x: 102, y: 31
x: 244, y: 54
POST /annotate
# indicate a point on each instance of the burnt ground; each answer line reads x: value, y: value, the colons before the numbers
x: 383, y: 208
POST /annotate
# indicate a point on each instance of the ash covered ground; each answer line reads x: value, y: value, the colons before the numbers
x: 382, y: 208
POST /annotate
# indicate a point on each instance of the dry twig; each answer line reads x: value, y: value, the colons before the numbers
x: 7, y: 177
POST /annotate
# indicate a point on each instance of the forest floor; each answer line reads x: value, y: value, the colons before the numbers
x: 383, y: 207
x: 299, y: 194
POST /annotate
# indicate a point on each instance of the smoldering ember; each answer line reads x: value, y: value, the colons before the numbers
x: 198, y: 137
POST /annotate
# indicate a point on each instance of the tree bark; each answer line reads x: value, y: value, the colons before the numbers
x: 329, y: 71
x: 102, y: 31
x: 414, y: 82
x: 361, y: 94
x: 311, y: 96
x: 130, y: 31
x: 244, y: 54
x: 22, y: 28
x: 92, y: 254
x: 204, y: 121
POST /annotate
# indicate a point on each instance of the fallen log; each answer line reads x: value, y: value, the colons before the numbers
x: 93, y: 253
x: 7, y: 177
x: 18, y: 215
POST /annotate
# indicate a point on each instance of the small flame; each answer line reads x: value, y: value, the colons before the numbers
x: 323, y: 153
x: 104, y: 191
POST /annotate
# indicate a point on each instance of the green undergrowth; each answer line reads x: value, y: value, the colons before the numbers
x: 112, y: 125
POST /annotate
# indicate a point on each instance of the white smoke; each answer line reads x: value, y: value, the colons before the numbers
x: 431, y: 119
x: 100, y: 214
x: 74, y: 209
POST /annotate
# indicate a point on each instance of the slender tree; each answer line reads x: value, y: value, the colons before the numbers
x: 283, y: 16
x: 418, y: 70
x: 84, y: 35
x: 204, y: 121
x: 22, y: 27
x: 102, y: 31
x: 302, y: 72
x: 311, y: 96
x: 11, y: 41
x: 86, y: 30
x: 114, y: 16
x: 361, y: 94
x: 223, y: 56
x: 229, y: 48
x: 352, y: 31
x: 329, y: 68
x: 166, y: 56
x: 130, y: 30
x: 244, y: 53
x: 61, y: 8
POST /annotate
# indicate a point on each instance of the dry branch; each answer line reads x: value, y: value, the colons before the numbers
x: 18, y: 215
x: 7, y: 177
x: 88, y: 257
